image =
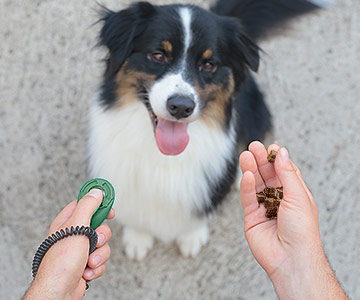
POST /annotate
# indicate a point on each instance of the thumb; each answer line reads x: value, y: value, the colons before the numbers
x: 62, y: 217
x: 86, y: 207
x: 293, y: 187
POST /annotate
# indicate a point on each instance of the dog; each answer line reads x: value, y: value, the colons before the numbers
x: 176, y: 104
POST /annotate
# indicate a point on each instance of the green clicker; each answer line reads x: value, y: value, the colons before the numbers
x: 108, y: 199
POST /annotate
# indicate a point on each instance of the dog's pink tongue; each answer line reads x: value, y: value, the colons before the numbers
x: 171, y: 137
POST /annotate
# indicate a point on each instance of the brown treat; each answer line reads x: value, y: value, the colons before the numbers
x: 271, y: 156
x: 260, y: 197
x: 280, y: 192
x: 271, y: 213
x: 271, y: 198
x: 269, y: 192
x: 269, y: 202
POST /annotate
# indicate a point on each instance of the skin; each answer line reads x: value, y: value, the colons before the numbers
x: 67, y: 264
x: 288, y: 248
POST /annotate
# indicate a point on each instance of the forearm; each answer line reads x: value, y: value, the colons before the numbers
x: 51, y: 291
x: 39, y: 292
x: 307, y: 278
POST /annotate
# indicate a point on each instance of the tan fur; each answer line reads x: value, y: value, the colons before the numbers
x: 167, y: 46
x: 214, y: 111
x: 129, y: 83
x: 207, y: 54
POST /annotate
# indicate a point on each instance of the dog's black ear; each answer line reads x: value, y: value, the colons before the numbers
x: 119, y: 31
x: 242, y: 53
x: 247, y: 50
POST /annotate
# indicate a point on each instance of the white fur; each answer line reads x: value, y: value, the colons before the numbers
x: 175, y: 83
x: 190, y: 243
x: 170, y: 85
x: 158, y: 195
x: 185, y: 15
x: 155, y: 193
x: 137, y: 243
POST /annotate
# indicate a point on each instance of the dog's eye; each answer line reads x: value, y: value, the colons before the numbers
x: 159, y: 56
x: 207, y: 66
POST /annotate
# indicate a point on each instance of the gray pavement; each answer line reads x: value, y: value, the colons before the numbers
x: 49, y: 70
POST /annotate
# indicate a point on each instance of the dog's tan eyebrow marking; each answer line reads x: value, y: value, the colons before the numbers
x: 207, y: 54
x: 167, y: 46
x: 214, y: 113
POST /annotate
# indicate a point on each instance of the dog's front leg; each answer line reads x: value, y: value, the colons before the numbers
x: 190, y: 243
x: 137, y: 243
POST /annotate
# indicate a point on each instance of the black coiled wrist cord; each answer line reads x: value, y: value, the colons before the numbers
x: 59, y: 235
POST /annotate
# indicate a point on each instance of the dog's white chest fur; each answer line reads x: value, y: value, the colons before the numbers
x: 155, y: 193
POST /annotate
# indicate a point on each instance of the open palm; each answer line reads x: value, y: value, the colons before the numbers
x: 274, y: 241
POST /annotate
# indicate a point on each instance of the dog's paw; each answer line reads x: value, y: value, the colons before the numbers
x: 137, y: 243
x: 190, y: 243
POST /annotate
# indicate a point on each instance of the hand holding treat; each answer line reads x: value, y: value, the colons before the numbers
x: 270, y: 196
x: 281, y: 225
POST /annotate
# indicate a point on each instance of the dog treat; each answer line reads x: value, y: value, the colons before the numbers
x: 260, y: 197
x: 271, y: 198
x: 271, y: 156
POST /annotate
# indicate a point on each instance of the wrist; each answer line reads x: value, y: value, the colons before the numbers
x: 307, y: 276
x: 42, y: 291
x: 297, y: 276
x: 50, y: 290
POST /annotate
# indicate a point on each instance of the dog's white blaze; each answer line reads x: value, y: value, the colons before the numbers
x: 185, y: 14
x: 154, y: 192
x: 170, y: 85
x: 175, y: 83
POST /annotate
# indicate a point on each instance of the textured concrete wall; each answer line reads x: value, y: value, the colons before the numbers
x: 49, y: 70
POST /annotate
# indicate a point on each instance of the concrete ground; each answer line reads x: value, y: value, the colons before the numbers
x: 49, y: 70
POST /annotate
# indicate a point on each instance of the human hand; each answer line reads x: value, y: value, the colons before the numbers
x: 67, y: 264
x: 288, y: 248
x: 296, y: 230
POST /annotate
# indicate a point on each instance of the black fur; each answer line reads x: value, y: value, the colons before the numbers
x: 259, y: 17
x: 230, y: 29
x: 137, y: 29
x: 254, y: 117
x: 119, y: 31
x: 220, y: 189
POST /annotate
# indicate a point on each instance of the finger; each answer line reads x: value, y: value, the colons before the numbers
x: 253, y: 214
x: 274, y: 147
x: 298, y: 173
x: 62, y: 217
x: 293, y: 187
x: 266, y: 168
x: 91, y: 274
x: 247, y: 189
x: 86, y: 207
x: 99, y: 256
x: 248, y: 163
x: 104, y: 234
x: 111, y: 214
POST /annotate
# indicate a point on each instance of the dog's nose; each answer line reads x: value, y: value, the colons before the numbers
x: 180, y: 106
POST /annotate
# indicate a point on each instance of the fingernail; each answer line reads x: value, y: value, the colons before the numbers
x: 95, y: 193
x: 89, y: 274
x: 96, y: 260
x: 101, y: 239
x: 284, y: 154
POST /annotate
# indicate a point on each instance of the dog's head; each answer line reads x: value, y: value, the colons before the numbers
x: 182, y: 62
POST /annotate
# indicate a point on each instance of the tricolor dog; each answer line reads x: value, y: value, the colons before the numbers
x: 176, y: 104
